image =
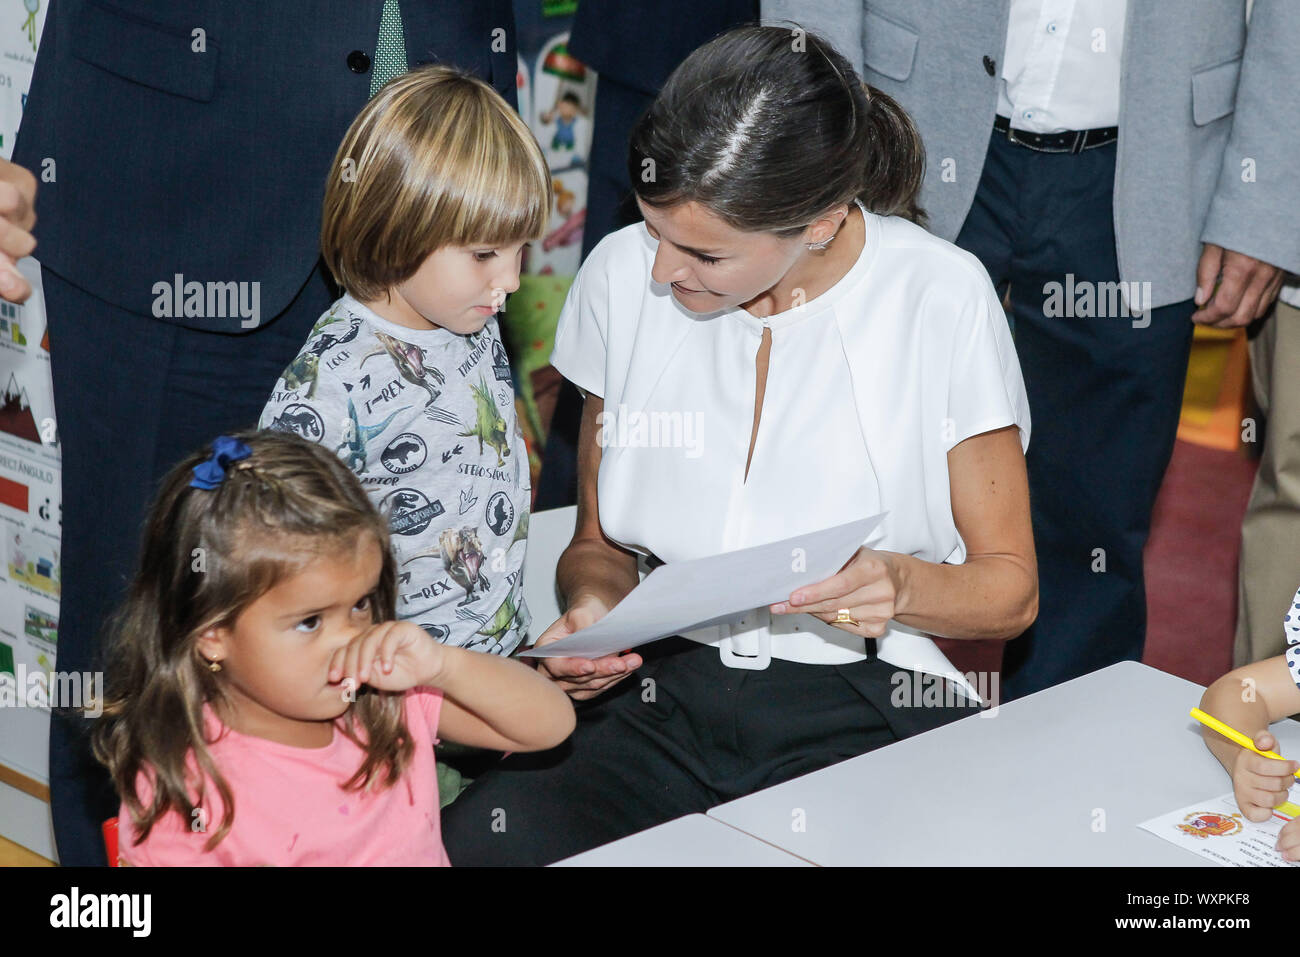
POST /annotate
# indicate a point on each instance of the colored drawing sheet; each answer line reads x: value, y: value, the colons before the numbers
x: 1218, y: 830
x: 683, y: 595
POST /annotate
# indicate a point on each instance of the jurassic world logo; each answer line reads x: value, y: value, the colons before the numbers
x: 500, y: 362
x: 406, y: 453
x: 301, y: 420
x: 500, y: 513
x: 409, y: 511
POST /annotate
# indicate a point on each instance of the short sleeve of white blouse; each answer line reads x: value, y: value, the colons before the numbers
x: 869, y: 386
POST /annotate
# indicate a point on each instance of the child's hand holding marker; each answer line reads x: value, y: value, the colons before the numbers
x: 1261, y: 783
x: 1261, y: 777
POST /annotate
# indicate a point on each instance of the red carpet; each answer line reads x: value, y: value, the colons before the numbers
x: 1191, y: 562
x: 1191, y: 569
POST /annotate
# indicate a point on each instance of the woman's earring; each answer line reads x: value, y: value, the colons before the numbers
x: 213, y: 666
x: 821, y: 245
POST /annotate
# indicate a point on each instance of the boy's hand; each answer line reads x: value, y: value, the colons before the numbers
x: 584, y: 678
x: 389, y: 656
x: 1288, y: 842
x: 1260, y: 784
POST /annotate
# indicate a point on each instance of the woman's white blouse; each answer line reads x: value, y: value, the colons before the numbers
x: 868, y: 387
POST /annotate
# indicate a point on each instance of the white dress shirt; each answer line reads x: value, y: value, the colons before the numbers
x: 1061, y: 65
x: 869, y: 386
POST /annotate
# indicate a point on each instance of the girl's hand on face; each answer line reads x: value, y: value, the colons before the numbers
x: 867, y: 586
x: 583, y: 678
x: 1260, y: 784
x: 389, y: 656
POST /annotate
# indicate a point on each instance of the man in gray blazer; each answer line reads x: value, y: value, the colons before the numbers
x: 1123, y: 167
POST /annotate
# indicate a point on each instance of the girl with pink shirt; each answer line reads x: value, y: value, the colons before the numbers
x: 263, y: 707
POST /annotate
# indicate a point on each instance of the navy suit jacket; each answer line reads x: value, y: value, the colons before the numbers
x: 168, y: 150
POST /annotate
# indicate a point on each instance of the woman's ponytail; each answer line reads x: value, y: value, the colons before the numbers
x: 895, y: 159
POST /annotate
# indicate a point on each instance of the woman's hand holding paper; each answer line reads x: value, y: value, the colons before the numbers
x: 584, y: 678
x: 868, y: 586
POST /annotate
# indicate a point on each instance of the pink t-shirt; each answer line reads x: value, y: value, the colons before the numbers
x: 291, y: 811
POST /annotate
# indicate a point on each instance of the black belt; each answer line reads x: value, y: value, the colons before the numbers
x: 1070, y: 141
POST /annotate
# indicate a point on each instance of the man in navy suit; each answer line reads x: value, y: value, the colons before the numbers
x: 183, y: 147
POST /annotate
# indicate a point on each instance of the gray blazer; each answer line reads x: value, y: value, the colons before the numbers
x: 1209, y: 118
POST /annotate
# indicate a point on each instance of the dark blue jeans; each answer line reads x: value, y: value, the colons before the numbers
x: 133, y: 395
x: 1105, y: 391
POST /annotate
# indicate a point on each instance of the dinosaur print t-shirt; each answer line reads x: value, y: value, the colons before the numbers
x: 426, y: 419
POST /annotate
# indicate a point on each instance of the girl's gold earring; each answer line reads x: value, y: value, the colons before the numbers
x: 214, y: 666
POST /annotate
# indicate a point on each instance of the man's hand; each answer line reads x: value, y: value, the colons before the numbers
x: 17, y: 217
x: 1233, y: 289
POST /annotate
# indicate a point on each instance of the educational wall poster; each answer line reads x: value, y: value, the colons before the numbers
x: 30, y: 485
x: 557, y: 94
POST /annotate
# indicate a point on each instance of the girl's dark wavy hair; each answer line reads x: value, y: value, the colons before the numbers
x: 206, y: 555
x: 768, y: 128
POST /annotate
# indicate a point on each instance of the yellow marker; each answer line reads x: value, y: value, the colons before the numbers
x: 1232, y: 734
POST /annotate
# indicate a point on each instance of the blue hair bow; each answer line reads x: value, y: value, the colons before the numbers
x: 210, y: 474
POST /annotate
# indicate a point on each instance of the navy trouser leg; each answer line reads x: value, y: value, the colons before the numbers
x: 683, y: 734
x: 132, y: 396
x: 1105, y: 391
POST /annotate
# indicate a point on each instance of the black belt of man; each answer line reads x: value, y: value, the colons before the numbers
x: 1069, y: 141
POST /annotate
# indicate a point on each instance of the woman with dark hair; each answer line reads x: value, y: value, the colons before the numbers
x: 828, y: 359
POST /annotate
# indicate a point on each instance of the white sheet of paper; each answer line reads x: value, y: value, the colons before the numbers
x: 1217, y: 829
x: 683, y: 595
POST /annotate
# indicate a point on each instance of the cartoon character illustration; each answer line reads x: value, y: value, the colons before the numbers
x: 356, y: 435
x: 567, y: 233
x: 506, y: 618
x: 322, y: 322
x: 565, y: 113
x: 301, y: 420
x: 489, y: 427
x: 462, y: 554
x: 329, y: 341
x: 564, y: 197
x: 521, y: 530
x: 409, y: 360
x: 302, y: 370
x: 29, y: 25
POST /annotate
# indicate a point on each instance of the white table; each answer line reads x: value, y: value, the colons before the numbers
x: 1061, y: 777
x: 691, y: 841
